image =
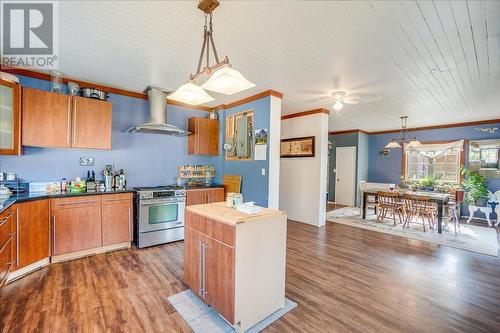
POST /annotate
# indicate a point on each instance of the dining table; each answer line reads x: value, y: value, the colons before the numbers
x: 439, y: 198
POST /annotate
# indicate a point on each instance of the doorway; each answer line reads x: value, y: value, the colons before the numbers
x: 345, y: 176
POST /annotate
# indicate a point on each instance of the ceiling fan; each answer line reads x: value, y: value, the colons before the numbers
x: 340, y: 98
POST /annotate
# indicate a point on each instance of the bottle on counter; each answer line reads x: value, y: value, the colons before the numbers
x: 123, y: 180
x: 116, y: 181
x: 64, y: 185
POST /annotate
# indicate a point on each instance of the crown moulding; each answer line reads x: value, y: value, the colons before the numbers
x: 135, y: 94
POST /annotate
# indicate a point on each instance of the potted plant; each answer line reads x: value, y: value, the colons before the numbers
x: 475, y: 187
x: 428, y: 183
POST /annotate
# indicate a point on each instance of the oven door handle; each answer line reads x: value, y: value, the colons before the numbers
x: 151, y: 203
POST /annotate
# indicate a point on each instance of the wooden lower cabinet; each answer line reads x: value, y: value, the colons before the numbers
x: 204, y: 196
x: 117, y: 218
x: 219, y: 283
x: 235, y: 262
x: 33, y: 232
x: 7, y: 236
x: 75, y: 229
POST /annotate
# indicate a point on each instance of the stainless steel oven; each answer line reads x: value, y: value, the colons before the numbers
x: 160, y: 215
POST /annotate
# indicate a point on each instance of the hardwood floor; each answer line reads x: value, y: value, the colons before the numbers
x: 332, y: 206
x: 345, y: 279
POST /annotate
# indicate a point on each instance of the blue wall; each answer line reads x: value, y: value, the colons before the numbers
x: 389, y: 169
x: 147, y: 159
x: 254, y: 186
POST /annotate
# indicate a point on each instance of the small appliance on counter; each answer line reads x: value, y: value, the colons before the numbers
x: 90, y: 182
x: 15, y: 186
x: 114, y: 180
x: 160, y: 214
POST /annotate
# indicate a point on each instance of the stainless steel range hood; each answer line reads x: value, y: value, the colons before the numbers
x: 157, y: 122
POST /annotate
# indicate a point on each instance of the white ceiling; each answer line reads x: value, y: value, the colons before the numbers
x: 437, y: 62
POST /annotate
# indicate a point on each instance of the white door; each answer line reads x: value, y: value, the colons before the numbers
x: 345, y: 176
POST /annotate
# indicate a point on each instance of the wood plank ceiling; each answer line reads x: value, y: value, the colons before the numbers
x: 435, y: 61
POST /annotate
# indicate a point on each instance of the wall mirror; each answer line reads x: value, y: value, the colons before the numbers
x: 484, y: 157
x: 239, y: 136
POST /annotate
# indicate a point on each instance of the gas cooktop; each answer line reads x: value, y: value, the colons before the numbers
x: 160, y: 188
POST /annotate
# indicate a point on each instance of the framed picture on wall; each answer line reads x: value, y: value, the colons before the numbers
x: 297, y: 147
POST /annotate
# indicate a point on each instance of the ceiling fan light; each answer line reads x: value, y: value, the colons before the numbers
x: 190, y: 93
x: 228, y: 81
x: 393, y: 144
x: 338, y: 106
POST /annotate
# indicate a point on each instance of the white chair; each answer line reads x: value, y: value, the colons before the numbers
x: 371, y: 200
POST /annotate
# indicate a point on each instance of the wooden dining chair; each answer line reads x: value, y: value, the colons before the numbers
x: 419, y: 206
x: 388, y: 202
x: 371, y: 200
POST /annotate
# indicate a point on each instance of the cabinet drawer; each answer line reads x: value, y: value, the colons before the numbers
x: 220, y: 231
x: 75, y: 202
x: 6, y: 260
x: 117, y: 199
x: 6, y: 227
x: 195, y: 221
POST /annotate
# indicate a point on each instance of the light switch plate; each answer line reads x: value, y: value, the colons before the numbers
x: 263, y: 172
x: 86, y: 161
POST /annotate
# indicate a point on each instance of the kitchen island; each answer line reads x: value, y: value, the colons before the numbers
x: 235, y: 262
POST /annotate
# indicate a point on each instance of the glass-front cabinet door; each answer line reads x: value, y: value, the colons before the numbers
x: 10, y: 118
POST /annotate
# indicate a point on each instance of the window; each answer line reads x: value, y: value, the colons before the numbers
x: 434, y: 161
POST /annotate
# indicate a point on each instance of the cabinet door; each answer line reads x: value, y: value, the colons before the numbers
x: 92, y: 122
x: 196, y: 197
x: 46, y: 119
x: 10, y: 118
x: 204, y: 137
x: 32, y: 238
x: 193, y: 270
x: 215, y: 195
x: 220, y: 278
x: 116, y: 223
x: 7, y: 260
x: 75, y: 229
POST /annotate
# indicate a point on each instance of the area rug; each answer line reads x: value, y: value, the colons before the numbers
x: 471, y: 238
x: 203, y: 318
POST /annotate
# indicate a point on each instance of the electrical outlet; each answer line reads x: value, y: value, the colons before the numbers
x: 86, y: 161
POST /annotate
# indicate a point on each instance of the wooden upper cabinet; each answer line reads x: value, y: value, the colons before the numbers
x: 46, y: 119
x: 63, y: 121
x: 32, y: 237
x: 10, y: 118
x: 92, y: 121
x: 204, y: 137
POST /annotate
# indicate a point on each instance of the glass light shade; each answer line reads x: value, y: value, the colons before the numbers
x: 393, y: 144
x: 338, y: 106
x: 228, y: 81
x: 414, y: 143
x: 190, y: 93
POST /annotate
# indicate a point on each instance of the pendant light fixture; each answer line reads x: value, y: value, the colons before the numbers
x: 403, y: 137
x: 224, y: 79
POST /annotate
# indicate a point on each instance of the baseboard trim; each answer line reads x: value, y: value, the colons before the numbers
x: 28, y: 269
x: 89, y: 252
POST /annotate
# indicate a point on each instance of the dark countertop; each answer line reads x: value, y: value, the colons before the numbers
x: 26, y: 196
x: 203, y: 186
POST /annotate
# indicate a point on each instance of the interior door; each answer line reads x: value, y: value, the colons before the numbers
x: 345, y: 176
x: 92, y: 121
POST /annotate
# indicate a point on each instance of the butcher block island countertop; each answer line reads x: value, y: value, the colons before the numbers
x: 235, y: 262
x: 219, y: 212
